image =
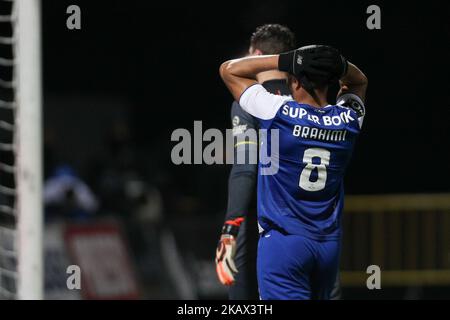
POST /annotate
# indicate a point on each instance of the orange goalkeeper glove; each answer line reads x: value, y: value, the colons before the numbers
x: 225, y: 266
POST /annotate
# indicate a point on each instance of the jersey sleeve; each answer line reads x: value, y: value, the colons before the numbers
x: 241, y: 120
x: 355, y: 103
x: 243, y: 175
x: 257, y: 101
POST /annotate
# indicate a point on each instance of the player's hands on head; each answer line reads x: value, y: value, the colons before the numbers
x: 226, y: 250
x: 314, y: 62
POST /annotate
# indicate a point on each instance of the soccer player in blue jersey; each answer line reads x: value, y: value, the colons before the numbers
x: 300, y: 203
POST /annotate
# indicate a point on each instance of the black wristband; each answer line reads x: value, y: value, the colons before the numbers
x: 285, y: 61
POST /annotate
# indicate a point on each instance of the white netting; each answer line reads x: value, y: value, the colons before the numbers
x: 8, y: 225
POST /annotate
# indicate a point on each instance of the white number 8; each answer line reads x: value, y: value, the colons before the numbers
x: 305, y: 182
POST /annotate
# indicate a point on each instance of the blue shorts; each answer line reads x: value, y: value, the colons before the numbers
x: 292, y: 267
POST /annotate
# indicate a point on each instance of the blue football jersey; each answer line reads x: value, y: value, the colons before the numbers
x: 304, y: 152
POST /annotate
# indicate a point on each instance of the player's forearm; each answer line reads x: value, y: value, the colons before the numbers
x: 248, y: 67
x: 239, y: 74
x: 354, y: 76
x: 241, y: 187
x: 354, y: 81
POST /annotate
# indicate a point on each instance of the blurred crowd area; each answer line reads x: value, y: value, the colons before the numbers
x: 168, y: 217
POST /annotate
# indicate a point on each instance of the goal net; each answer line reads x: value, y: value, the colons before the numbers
x: 20, y: 151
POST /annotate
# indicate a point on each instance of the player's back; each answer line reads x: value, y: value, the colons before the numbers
x: 304, y: 194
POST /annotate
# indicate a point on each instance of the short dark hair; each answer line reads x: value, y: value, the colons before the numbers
x: 273, y: 39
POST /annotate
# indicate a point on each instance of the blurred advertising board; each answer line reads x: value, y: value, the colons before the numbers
x: 99, y: 251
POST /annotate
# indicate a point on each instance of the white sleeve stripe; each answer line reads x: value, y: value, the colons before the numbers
x: 360, y: 121
x: 255, y: 84
x: 257, y: 101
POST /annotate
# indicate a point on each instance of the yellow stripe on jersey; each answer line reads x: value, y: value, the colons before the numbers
x: 245, y: 142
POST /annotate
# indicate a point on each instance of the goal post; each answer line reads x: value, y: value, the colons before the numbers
x: 27, y: 36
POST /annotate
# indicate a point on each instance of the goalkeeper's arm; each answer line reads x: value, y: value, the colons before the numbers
x: 241, y: 189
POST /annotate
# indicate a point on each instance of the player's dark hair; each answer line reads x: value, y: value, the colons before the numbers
x: 273, y: 39
x: 311, y: 83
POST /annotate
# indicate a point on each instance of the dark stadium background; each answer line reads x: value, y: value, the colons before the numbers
x: 116, y: 89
